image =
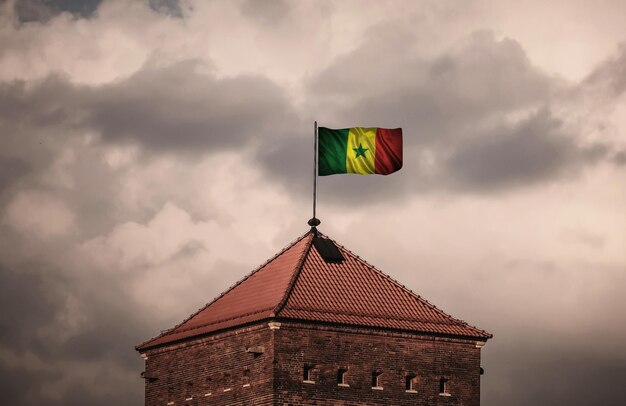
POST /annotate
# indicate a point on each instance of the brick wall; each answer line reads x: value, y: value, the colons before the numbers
x: 360, y: 352
x: 220, y: 365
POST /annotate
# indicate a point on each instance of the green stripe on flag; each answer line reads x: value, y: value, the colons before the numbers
x: 332, y: 146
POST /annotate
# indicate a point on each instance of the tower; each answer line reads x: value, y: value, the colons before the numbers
x: 315, y: 325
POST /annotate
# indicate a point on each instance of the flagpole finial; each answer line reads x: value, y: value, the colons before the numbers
x: 314, y: 222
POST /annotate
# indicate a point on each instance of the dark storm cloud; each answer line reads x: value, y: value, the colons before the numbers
x: 28, y: 287
x: 169, y: 7
x: 11, y: 170
x: 533, y: 150
x: 44, y: 10
x: 546, y: 366
x: 179, y: 108
x: 291, y: 159
x: 35, y: 125
x: 47, y: 103
x: 172, y: 108
x: 437, y: 99
x: 17, y: 383
x: 551, y: 373
x: 35, y: 300
x: 576, y: 380
x: 33, y: 10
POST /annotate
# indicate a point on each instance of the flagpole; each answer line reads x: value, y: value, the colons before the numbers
x: 314, y: 222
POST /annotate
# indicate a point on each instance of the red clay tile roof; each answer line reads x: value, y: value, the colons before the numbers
x: 298, y: 284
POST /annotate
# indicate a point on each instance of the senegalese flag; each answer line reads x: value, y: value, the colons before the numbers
x: 359, y: 150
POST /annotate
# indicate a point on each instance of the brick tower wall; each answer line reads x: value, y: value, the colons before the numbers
x: 362, y: 352
x: 220, y: 366
x: 217, y: 365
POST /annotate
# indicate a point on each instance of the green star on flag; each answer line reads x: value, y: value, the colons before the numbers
x: 360, y: 151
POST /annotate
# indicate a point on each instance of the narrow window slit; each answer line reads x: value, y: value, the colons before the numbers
x: 307, y: 374
x: 443, y: 386
x: 376, y: 380
x: 341, y: 377
x: 410, y: 383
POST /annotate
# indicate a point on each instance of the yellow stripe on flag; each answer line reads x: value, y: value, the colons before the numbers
x: 361, y: 151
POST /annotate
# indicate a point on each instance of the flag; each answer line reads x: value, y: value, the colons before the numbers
x: 359, y: 150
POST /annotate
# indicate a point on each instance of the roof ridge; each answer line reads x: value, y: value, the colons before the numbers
x: 295, y: 276
x: 404, y: 288
x: 239, y: 282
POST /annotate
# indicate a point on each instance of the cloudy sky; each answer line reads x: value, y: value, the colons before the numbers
x: 154, y: 152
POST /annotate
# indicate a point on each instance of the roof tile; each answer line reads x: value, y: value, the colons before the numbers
x: 298, y: 284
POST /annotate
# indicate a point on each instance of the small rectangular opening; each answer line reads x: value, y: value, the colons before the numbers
x: 341, y: 376
x: 307, y: 374
x: 443, y: 386
x: 410, y: 382
x: 328, y: 250
x: 376, y: 379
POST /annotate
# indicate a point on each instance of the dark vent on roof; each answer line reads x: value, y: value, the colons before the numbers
x: 327, y: 249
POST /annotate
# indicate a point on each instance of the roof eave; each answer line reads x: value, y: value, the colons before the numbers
x: 141, y: 348
x: 482, y: 338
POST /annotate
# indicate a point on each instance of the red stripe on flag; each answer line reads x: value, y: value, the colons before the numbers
x: 388, y: 151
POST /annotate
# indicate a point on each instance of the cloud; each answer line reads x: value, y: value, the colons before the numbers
x: 43, y: 10
x: 37, y: 305
x: 553, y: 376
x: 385, y: 81
x: 169, y: 7
x: 41, y: 361
x: 268, y: 12
x: 11, y: 169
x: 533, y: 150
x: 39, y: 215
x: 180, y: 108
x: 610, y: 75
x: 572, y: 380
x: 172, y: 108
x: 620, y: 158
